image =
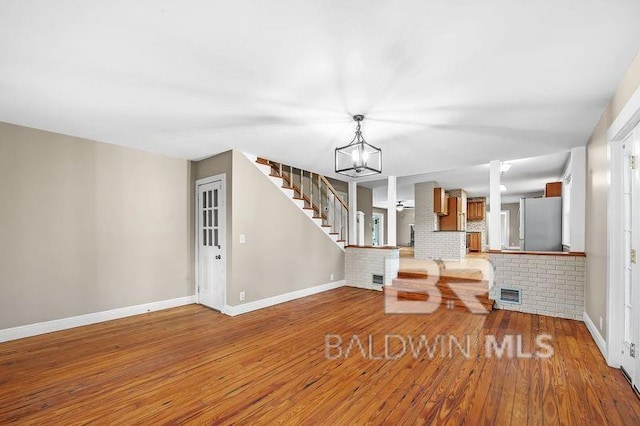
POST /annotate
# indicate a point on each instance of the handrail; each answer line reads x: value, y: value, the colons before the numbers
x: 335, y: 193
x: 339, y: 224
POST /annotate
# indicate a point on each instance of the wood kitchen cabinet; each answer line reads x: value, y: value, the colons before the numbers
x: 455, y: 219
x: 475, y: 210
x: 553, y: 189
x: 440, y: 203
x: 474, y: 241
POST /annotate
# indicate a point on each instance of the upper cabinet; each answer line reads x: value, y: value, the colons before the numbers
x: 475, y: 209
x: 455, y: 220
x: 553, y: 189
x: 440, y: 203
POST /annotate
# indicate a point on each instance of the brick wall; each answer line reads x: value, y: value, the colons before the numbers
x: 362, y: 262
x: 551, y: 285
x: 429, y: 244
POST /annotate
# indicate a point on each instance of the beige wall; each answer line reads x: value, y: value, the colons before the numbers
x: 284, y: 250
x: 87, y: 227
x: 514, y: 223
x: 597, y: 193
x: 403, y: 231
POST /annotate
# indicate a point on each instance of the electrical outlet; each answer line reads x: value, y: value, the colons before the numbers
x: 600, y: 323
x: 331, y: 278
x: 241, y: 296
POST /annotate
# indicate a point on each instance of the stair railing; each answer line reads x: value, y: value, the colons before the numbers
x: 318, y: 195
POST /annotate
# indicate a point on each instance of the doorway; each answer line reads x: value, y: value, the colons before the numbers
x: 630, y: 231
x: 504, y: 225
x: 378, y: 230
x: 623, y: 289
x: 211, y: 242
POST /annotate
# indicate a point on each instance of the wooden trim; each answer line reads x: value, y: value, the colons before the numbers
x: 296, y: 189
x: 541, y: 253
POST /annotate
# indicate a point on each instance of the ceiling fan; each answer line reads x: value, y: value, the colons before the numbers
x: 400, y: 206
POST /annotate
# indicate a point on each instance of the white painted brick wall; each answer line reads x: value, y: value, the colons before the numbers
x: 429, y: 244
x: 551, y: 285
x: 362, y: 262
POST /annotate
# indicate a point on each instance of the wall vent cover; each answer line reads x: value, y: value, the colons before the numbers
x: 378, y: 279
x: 510, y: 295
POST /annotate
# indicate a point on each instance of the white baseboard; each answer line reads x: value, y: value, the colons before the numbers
x: 80, y: 320
x: 275, y: 300
x: 597, y: 337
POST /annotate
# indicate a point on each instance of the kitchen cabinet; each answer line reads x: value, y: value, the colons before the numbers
x: 455, y: 220
x: 474, y: 241
x: 553, y: 189
x: 475, y: 210
x: 440, y: 203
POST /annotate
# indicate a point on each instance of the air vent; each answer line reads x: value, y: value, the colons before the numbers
x: 378, y: 279
x: 510, y: 295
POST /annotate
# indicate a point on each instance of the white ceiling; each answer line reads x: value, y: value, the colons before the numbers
x: 443, y: 84
x: 526, y: 178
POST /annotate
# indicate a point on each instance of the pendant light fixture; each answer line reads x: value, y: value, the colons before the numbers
x: 358, y: 158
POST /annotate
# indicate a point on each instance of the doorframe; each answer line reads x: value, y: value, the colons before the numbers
x: 623, y: 125
x: 222, y: 177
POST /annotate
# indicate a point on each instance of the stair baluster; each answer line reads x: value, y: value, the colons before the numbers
x: 330, y: 207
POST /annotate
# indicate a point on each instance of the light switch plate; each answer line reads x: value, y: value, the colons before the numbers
x: 243, y: 238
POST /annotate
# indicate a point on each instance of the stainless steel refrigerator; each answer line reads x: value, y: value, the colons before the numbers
x: 541, y: 224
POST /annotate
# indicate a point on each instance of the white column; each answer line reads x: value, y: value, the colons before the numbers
x: 353, y: 209
x: 495, y: 206
x: 577, y: 214
x: 391, y: 211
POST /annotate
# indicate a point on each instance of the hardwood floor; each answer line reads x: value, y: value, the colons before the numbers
x: 193, y: 365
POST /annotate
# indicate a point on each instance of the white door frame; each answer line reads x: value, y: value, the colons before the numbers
x: 621, y: 128
x: 223, y: 221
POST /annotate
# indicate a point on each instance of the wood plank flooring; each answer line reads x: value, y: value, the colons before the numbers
x: 193, y: 365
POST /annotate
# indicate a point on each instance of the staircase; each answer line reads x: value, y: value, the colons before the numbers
x: 313, y: 194
x: 461, y: 290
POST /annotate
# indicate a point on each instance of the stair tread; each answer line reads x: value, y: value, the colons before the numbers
x: 298, y: 195
x: 444, y: 301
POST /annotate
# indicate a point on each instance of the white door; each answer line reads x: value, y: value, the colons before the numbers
x: 631, y: 236
x: 211, y: 237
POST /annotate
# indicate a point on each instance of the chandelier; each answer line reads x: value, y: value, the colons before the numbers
x: 358, y: 158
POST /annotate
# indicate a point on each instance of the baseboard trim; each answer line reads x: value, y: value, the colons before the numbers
x: 80, y: 320
x: 276, y: 300
x: 597, y: 337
